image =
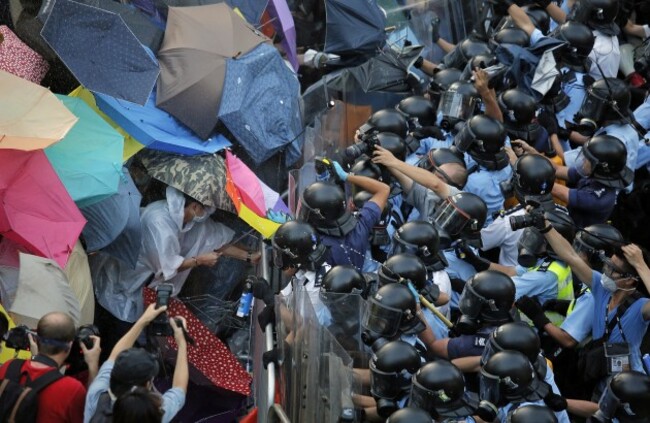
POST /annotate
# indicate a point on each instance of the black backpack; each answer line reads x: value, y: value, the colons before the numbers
x: 19, y: 402
x: 104, y: 411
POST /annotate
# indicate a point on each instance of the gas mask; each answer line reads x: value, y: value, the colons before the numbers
x: 471, y: 305
x: 531, y: 246
x: 594, y: 111
x: 456, y: 107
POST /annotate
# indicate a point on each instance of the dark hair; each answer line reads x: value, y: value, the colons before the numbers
x: 138, y: 405
x: 55, y: 330
x: 189, y: 200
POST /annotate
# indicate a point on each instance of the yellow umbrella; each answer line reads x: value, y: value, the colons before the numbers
x: 31, y: 117
x: 9, y: 353
x: 131, y: 146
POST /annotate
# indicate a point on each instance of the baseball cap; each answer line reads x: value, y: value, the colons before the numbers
x: 135, y: 366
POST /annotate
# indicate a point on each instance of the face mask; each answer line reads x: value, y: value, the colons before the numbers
x: 609, y: 284
x: 207, y: 211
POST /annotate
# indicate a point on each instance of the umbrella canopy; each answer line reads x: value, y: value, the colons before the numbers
x: 100, y: 50
x: 201, y: 177
x: 17, y: 58
x: 31, y: 117
x: 88, y: 160
x: 42, y: 288
x: 252, y: 197
x: 114, y: 223
x: 145, y: 30
x: 37, y: 211
x: 198, y: 40
x: 252, y: 10
x: 354, y: 27
x: 387, y: 71
x: 131, y: 146
x: 78, y: 273
x: 282, y: 21
x: 260, y: 104
x: 210, y: 359
x: 157, y: 129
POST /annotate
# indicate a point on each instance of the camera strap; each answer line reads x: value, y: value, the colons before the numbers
x: 43, y: 359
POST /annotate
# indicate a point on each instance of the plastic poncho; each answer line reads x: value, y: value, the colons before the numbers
x: 166, y: 243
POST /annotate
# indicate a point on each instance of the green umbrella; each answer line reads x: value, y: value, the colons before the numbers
x: 89, y: 159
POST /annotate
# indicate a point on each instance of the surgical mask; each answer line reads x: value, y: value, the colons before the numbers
x: 609, y: 284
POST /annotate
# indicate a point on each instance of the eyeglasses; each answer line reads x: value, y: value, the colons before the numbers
x: 609, y: 268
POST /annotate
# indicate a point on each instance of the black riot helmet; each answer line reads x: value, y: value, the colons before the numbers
x: 626, y: 398
x: 439, y: 388
x: 518, y: 108
x: 343, y: 279
x: 403, y: 268
x: 460, y: 216
x: 607, y: 100
x: 390, y: 312
x: 418, y: 111
x: 534, y: 176
x: 508, y: 376
x: 421, y: 238
x: 323, y: 205
x: 440, y: 82
x: 364, y: 166
x: 579, y: 41
x: 531, y: 413
x: 597, y: 14
x: 391, y: 370
x: 410, y: 415
x: 606, y: 156
x: 486, y: 299
x: 437, y: 157
x: 539, y: 16
x: 516, y: 36
x: 483, y: 61
x: 296, y: 244
x: 385, y: 120
x: 464, y: 51
x: 457, y: 104
x: 596, y: 241
x: 483, y: 138
x: 516, y: 336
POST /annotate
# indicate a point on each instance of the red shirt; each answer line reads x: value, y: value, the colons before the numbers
x: 62, y: 401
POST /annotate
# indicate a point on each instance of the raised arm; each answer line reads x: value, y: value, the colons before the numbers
x: 566, y: 253
x: 521, y: 19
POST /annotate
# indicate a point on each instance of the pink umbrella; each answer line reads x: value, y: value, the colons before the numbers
x: 36, y: 211
x: 17, y: 58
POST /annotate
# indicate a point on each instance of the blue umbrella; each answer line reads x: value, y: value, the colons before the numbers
x: 157, y: 129
x: 260, y: 104
x: 114, y: 223
x: 251, y: 9
x: 354, y: 27
x: 100, y: 50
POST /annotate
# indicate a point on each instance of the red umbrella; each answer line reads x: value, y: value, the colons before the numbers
x: 36, y: 211
x: 17, y: 58
x: 210, y: 357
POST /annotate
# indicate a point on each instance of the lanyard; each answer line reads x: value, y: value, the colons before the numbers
x: 618, y: 320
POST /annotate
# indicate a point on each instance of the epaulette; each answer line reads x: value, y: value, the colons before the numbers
x: 504, y: 213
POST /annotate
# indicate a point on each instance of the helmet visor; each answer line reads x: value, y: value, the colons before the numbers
x: 450, y: 219
x: 583, y: 164
x: 489, y: 387
x: 388, y: 385
x: 608, y: 403
x: 283, y: 257
x: 592, y: 110
x: 426, y: 399
x: 471, y: 303
x: 381, y: 319
x: 490, y: 349
x: 456, y: 105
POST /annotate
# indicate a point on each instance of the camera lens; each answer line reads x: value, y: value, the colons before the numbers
x: 521, y: 222
x: 356, y: 150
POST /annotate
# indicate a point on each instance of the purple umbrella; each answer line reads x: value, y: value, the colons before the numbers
x: 282, y: 21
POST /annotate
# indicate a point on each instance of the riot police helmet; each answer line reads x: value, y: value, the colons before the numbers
x: 323, y: 205
x: 418, y: 107
x: 297, y: 245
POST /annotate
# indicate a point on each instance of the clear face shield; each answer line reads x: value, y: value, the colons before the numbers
x: 283, y: 258
x: 490, y: 349
x: 450, y: 218
x: 380, y: 319
x: 489, y: 388
x: 530, y: 246
x: 427, y: 399
x: 388, y: 385
x: 592, y: 111
x: 471, y: 303
x: 455, y: 106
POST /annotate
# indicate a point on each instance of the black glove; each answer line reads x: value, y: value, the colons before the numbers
x: 558, y: 306
x: 429, y: 132
x: 539, y: 221
x: 563, y: 133
x: 431, y: 293
x: 533, y: 310
x: 435, y: 28
x: 555, y: 402
x: 266, y: 316
x: 549, y: 121
x: 272, y: 356
x: 261, y: 289
x: 463, y: 252
x: 457, y: 285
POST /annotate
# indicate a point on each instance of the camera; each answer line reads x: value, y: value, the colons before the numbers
x: 527, y: 220
x: 17, y: 338
x: 365, y: 146
x: 84, y: 335
x: 160, y: 326
x: 497, y: 77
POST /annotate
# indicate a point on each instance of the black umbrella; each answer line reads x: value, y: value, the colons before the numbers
x: 387, y: 71
x: 354, y: 27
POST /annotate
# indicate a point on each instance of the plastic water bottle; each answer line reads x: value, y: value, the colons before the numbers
x: 245, y: 301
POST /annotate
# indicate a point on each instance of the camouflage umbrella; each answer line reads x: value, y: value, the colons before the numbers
x: 200, y: 177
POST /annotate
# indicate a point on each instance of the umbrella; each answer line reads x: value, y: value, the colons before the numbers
x: 31, y: 117
x: 252, y: 197
x: 100, y: 50
x: 17, y: 58
x: 282, y: 21
x: 252, y: 10
x: 145, y: 30
x: 387, y: 71
x: 201, y: 177
x: 157, y: 129
x: 114, y: 223
x: 354, y: 27
x: 260, y: 104
x: 131, y: 146
x: 211, y: 361
x: 78, y: 273
x: 7, y: 354
x: 42, y: 288
x: 37, y: 211
x: 89, y: 158
x: 198, y: 40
